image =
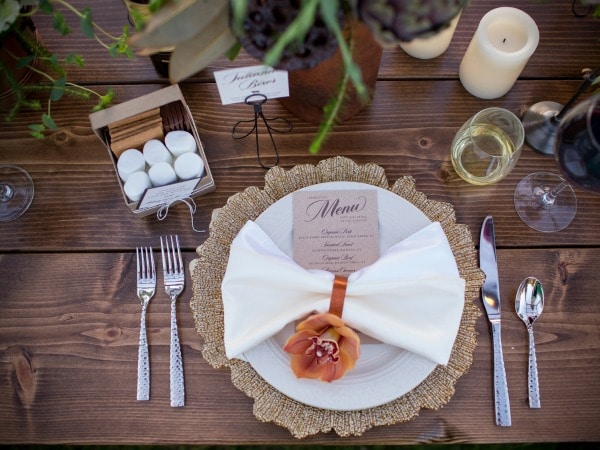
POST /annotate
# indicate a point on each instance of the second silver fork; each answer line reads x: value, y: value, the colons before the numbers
x: 174, y: 274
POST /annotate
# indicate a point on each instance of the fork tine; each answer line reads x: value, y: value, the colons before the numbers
x: 162, y: 251
x: 179, y: 254
x: 144, y: 262
x: 138, y: 262
x: 171, y: 255
x: 152, y: 265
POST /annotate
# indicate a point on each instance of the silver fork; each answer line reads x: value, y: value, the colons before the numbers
x: 174, y: 273
x: 146, y: 287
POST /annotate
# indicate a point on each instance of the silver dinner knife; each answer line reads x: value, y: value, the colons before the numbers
x: 490, y: 294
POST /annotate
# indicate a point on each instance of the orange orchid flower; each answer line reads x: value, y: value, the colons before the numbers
x: 323, y: 347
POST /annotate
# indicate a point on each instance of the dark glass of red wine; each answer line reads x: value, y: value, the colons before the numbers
x: 577, y: 148
x: 547, y: 202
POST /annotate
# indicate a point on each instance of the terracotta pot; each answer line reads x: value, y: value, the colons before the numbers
x: 11, y: 44
x: 141, y: 9
x: 311, y: 89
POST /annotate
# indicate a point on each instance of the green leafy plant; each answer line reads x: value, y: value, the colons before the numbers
x: 278, y: 32
x: 52, y: 82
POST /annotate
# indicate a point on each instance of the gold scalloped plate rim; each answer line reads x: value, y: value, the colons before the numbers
x: 270, y: 405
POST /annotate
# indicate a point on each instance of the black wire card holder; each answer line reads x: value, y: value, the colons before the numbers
x: 256, y: 100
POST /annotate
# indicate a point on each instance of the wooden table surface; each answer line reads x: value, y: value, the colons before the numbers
x: 69, y: 317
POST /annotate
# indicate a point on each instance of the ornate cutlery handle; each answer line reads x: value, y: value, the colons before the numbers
x: 176, y: 364
x: 143, y: 380
x: 534, y: 388
x: 502, y: 402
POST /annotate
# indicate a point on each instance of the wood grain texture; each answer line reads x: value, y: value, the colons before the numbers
x: 69, y: 317
x: 68, y: 352
x: 407, y: 130
x: 575, y: 39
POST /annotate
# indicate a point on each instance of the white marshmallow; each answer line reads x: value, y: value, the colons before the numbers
x: 130, y: 161
x: 162, y: 174
x: 179, y: 142
x: 155, y: 152
x: 136, y: 184
x: 188, y: 166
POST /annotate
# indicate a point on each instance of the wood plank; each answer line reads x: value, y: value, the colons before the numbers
x: 575, y: 39
x: 68, y: 348
x: 408, y: 131
x: 69, y: 318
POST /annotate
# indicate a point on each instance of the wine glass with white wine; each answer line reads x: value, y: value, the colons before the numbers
x: 16, y: 192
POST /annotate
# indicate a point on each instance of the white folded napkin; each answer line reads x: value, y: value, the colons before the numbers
x: 412, y: 297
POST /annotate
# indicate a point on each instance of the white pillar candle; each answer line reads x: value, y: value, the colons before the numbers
x: 179, y: 142
x: 503, y: 43
x: 188, y: 166
x: 130, y: 161
x: 161, y: 174
x: 136, y: 184
x: 432, y: 46
x: 155, y: 152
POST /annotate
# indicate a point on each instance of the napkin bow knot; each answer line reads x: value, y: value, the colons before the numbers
x: 412, y: 297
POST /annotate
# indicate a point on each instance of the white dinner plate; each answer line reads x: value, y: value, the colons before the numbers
x: 383, y: 372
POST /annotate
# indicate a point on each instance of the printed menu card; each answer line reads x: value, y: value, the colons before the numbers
x: 337, y: 231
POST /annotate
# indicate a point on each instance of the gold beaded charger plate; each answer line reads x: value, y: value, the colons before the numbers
x: 431, y: 388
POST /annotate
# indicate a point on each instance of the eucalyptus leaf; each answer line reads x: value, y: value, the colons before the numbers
x: 37, y: 133
x: 105, y: 100
x: 34, y: 105
x: 73, y: 58
x: 86, y: 23
x: 58, y: 89
x: 59, y: 23
x: 195, y: 54
x: 49, y: 121
x: 25, y: 61
x: 53, y: 60
x: 170, y: 25
x: 37, y: 127
x: 46, y: 6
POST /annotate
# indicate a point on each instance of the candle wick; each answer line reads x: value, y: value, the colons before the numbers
x: 503, y: 40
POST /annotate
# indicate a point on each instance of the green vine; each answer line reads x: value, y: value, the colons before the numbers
x: 51, y: 69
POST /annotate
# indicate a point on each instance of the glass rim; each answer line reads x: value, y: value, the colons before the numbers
x: 593, y: 106
x: 521, y: 135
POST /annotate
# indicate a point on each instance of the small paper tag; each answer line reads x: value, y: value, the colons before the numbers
x: 235, y: 85
x: 165, y: 195
x: 337, y: 231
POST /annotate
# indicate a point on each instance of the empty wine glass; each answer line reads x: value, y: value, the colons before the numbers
x: 547, y: 202
x: 16, y: 192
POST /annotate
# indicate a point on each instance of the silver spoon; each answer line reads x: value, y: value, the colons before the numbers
x: 529, y: 304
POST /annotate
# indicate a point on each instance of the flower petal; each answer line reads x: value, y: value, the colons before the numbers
x: 300, y: 342
x: 320, y: 322
x: 305, y: 366
x: 331, y: 372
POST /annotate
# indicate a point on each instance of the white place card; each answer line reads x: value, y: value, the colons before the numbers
x: 235, y: 85
x: 165, y: 195
x: 337, y: 231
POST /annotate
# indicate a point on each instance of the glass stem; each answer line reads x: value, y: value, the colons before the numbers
x: 550, y: 197
x: 6, y: 192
